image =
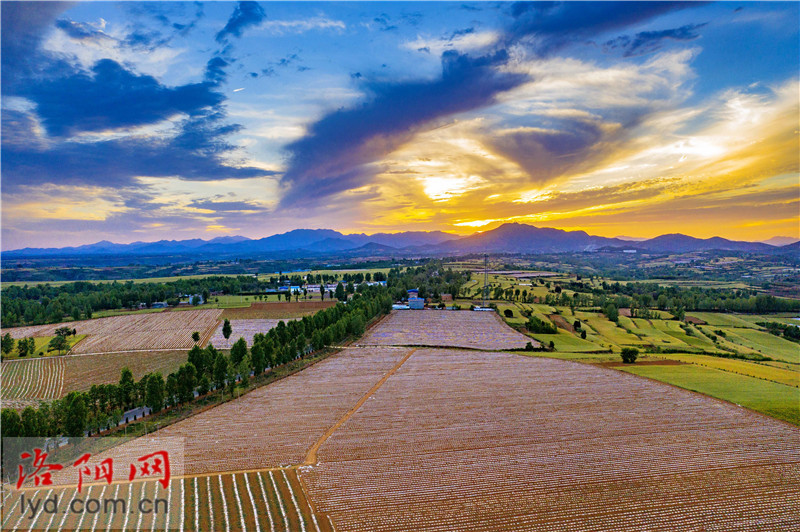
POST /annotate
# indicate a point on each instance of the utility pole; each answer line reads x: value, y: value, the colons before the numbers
x: 485, y: 277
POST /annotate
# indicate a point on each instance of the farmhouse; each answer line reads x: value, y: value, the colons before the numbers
x: 416, y: 303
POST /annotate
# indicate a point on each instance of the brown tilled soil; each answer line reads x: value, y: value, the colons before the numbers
x: 561, y: 322
x: 491, y: 441
x: 275, y: 425
x: 696, y: 321
x: 446, y: 328
x: 277, y: 311
x: 386, y: 438
x: 134, y: 332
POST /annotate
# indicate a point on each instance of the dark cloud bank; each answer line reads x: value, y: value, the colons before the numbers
x: 335, y: 154
x: 69, y: 101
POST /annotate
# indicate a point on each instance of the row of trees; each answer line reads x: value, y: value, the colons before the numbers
x: 206, y: 369
x: 45, y: 303
x: 432, y: 280
x: 26, y: 346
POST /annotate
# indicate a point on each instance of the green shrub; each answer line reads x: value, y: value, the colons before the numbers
x: 629, y: 355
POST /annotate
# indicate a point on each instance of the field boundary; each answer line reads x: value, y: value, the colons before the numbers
x: 607, y: 368
x: 311, y: 455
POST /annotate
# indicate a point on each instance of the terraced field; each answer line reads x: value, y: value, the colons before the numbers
x: 765, y: 343
x: 475, y: 330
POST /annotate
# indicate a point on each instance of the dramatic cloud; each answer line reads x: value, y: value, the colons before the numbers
x: 557, y: 23
x: 329, y: 159
x: 334, y: 157
x: 150, y: 120
x: 23, y: 25
x: 111, y: 97
x: 650, y: 41
x: 227, y: 206
x: 245, y: 15
x: 119, y: 162
x: 81, y: 31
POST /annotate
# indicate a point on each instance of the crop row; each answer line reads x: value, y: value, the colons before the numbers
x: 36, y: 378
x: 246, y: 329
x: 266, y: 501
x: 275, y: 425
x: 504, y: 442
x: 476, y: 330
x: 163, y: 330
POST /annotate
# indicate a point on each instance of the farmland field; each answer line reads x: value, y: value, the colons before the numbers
x: 765, y: 343
x: 393, y: 437
x: 290, y: 414
x: 271, y: 311
x: 264, y: 500
x: 476, y: 330
x: 564, y: 341
x: 510, y: 442
x: 718, y: 318
x: 609, y: 331
x: 772, y: 398
x: 246, y: 329
x: 163, y: 330
x: 29, y: 381
x: 742, y: 367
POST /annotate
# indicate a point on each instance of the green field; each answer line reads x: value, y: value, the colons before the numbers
x: 776, y: 400
x: 565, y: 341
x: 720, y: 319
x: 765, y: 343
x: 759, y: 370
x: 41, y: 343
x: 609, y: 331
x: 124, y: 312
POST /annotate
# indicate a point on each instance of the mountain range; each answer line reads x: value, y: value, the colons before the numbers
x: 507, y: 238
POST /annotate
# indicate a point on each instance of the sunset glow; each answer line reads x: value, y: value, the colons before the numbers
x: 146, y: 121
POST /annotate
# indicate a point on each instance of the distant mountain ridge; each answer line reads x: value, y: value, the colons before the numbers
x: 314, y: 240
x: 507, y: 238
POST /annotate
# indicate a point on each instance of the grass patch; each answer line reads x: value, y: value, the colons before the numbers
x: 720, y: 320
x: 578, y: 357
x: 564, y: 341
x: 611, y: 333
x: 759, y: 370
x: 42, y: 343
x: 765, y: 343
x: 776, y: 400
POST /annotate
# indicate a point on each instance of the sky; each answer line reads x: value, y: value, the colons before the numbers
x: 143, y: 121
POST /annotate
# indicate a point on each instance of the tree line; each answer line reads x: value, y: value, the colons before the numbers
x: 46, y: 303
x: 206, y: 369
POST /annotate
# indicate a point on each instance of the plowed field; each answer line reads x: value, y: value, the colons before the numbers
x: 475, y: 330
x: 396, y: 438
x: 489, y: 441
x: 163, y: 330
x: 246, y: 329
